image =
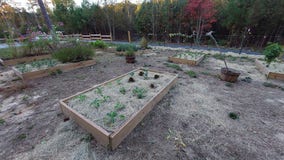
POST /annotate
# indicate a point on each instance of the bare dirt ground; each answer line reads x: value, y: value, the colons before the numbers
x: 190, y: 122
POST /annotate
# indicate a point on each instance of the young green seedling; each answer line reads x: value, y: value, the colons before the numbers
x: 99, y: 91
x: 81, y: 97
x: 139, y: 92
x: 146, y: 74
x: 96, y: 103
x: 119, y: 106
x: 111, y: 115
x: 122, y: 90
x: 106, y: 98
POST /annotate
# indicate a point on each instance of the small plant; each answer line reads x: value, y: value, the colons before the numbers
x: 247, y: 79
x: 118, y: 82
x: 99, y: 44
x: 87, y: 138
x: 130, y: 52
x: 141, y: 73
x: 96, y: 103
x: 233, y: 115
x: 144, y: 43
x: 122, y: 90
x: 271, y: 85
x: 81, y: 97
x: 111, y: 116
x: 146, y: 74
x: 152, y: 85
x: 156, y: 76
x: 131, y: 74
x: 121, y: 117
x: 174, y: 66
x: 271, y: 52
x: 139, y: 92
x: 131, y: 79
x: 119, y: 106
x: 2, y: 121
x: 191, y: 74
x: 99, y: 90
x: 106, y: 98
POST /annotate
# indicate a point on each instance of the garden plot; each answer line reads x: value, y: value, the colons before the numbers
x: 9, y: 62
x: 45, y: 67
x: 274, y: 71
x: 111, y: 110
x: 190, y: 58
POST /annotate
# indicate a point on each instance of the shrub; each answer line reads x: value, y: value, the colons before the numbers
x: 99, y: 44
x: 125, y: 47
x: 271, y: 52
x: 144, y: 43
x: 129, y: 52
x: 74, y: 54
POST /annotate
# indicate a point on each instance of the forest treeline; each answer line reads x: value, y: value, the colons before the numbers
x: 252, y: 22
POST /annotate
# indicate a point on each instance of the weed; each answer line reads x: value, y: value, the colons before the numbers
x: 118, y: 82
x: 2, y: 121
x: 146, y: 74
x: 106, y: 98
x: 87, y: 138
x: 25, y: 98
x: 22, y: 136
x: 122, y: 90
x: 131, y: 74
x: 228, y: 84
x: 139, y: 92
x: 81, y: 97
x: 174, y: 66
x: 191, y: 74
x: 119, y: 106
x: 233, y: 115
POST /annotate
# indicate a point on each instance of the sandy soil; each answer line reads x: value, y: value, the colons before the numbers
x: 190, y: 122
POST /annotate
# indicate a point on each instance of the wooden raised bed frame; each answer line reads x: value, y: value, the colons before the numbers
x: 11, y: 62
x: 45, y: 72
x: 186, y: 61
x: 104, y: 137
x: 268, y: 74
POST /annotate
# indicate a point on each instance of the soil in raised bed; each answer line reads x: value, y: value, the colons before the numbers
x: 277, y: 67
x: 189, y: 55
x: 118, y: 98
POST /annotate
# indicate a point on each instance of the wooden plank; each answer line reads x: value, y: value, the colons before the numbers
x: 117, y: 137
x: 23, y: 60
x: 99, y: 133
x: 271, y: 75
x: 48, y: 71
x: 186, y: 61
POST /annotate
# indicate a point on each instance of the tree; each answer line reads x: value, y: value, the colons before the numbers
x: 45, y: 15
x: 202, y: 13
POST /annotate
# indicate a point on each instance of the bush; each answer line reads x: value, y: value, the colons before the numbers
x: 99, y: 44
x: 125, y: 47
x: 144, y: 43
x: 74, y: 54
x: 271, y: 52
x: 129, y: 52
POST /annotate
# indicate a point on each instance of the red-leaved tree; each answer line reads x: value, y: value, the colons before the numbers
x: 201, y: 13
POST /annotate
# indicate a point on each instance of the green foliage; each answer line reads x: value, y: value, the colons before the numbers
x: 125, y: 47
x: 96, y: 103
x: 122, y: 90
x: 74, y: 54
x: 81, y: 97
x: 191, y: 74
x: 139, y: 92
x: 36, y: 65
x: 270, y: 85
x: 2, y: 121
x: 233, y: 115
x: 119, y: 106
x: 99, y: 90
x: 271, y: 52
x: 99, y: 44
x: 144, y: 43
x: 111, y: 116
x: 129, y: 52
x: 38, y: 47
x: 174, y: 66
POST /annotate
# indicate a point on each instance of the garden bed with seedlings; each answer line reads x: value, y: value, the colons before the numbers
x: 10, y: 62
x: 190, y: 58
x: 273, y: 71
x: 45, y: 67
x: 111, y: 110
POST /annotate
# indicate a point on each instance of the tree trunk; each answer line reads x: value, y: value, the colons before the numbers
x: 45, y: 15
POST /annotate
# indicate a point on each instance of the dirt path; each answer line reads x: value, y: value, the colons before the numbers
x: 191, y: 121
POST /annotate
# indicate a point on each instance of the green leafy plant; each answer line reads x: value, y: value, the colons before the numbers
x: 125, y: 47
x: 122, y: 90
x: 233, y: 115
x: 22, y: 136
x: 129, y: 52
x: 121, y: 117
x: 81, y: 97
x: 139, y: 92
x: 111, y: 116
x: 146, y: 74
x: 105, y: 98
x: 99, y: 44
x: 271, y: 52
x: 2, y: 121
x: 74, y: 54
x: 96, y: 103
x: 191, y: 74
x: 119, y: 106
x: 99, y: 90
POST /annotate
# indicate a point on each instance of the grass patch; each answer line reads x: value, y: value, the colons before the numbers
x: 174, y: 66
x: 191, y: 74
x: 2, y: 121
x: 233, y: 115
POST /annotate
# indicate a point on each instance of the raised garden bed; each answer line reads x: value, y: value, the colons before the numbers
x: 45, y: 67
x: 274, y: 71
x: 111, y: 110
x: 190, y: 58
x: 11, y: 62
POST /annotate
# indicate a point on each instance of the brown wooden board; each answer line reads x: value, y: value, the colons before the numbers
x: 271, y: 75
x: 116, y: 137
x: 45, y: 72
x: 186, y: 61
x: 11, y: 62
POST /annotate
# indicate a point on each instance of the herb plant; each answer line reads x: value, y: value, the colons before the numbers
x: 111, y: 116
x: 122, y: 90
x: 96, y: 103
x: 119, y: 106
x: 139, y: 92
x: 81, y: 97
